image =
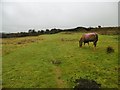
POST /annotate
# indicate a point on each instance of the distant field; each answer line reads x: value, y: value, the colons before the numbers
x: 55, y: 61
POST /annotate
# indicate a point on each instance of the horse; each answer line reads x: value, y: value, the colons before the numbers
x: 89, y: 37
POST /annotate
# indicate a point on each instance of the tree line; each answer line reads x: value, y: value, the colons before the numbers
x: 33, y: 32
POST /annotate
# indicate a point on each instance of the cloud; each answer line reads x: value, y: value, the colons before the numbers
x: 58, y: 15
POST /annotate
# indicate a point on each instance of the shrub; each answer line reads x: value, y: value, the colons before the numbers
x: 109, y: 49
x: 86, y: 84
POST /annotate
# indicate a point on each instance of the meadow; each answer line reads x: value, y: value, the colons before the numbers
x: 56, y: 60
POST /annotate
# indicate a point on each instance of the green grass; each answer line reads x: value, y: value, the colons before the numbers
x: 29, y: 65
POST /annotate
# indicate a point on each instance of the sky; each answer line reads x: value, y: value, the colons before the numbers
x: 21, y: 15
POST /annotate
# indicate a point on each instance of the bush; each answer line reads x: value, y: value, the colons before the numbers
x: 110, y: 49
x: 86, y: 84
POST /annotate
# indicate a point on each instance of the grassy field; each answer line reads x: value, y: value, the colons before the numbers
x: 55, y: 61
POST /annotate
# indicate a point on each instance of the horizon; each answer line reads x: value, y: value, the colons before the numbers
x: 96, y: 27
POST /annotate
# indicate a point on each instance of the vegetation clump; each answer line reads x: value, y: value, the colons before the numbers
x: 87, y: 84
x: 56, y: 62
x: 110, y: 49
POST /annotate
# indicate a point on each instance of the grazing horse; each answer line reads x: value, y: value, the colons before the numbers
x: 89, y: 37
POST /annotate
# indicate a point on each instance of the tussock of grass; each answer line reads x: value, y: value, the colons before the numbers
x: 86, y: 84
x: 56, y: 62
x: 109, y: 49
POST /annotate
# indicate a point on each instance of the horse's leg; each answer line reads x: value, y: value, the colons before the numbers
x: 88, y: 43
x: 84, y: 44
x: 95, y: 43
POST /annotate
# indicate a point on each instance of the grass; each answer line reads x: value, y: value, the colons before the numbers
x: 28, y: 64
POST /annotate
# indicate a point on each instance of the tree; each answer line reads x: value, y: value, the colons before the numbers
x: 47, y: 31
x: 42, y: 31
x: 99, y: 26
x: 31, y: 31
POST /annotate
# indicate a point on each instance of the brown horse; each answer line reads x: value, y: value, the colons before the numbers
x: 89, y: 37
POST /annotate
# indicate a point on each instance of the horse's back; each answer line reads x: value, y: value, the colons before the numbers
x: 90, y: 37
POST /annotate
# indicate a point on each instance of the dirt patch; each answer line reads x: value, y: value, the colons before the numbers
x: 66, y: 39
x: 59, y: 81
x: 28, y: 41
x: 67, y: 33
x: 85, y: 83
x: 19, y: 41
x: 58, y: 73
x: 14, y: 43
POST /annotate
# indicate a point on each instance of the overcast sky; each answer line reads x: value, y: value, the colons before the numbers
x: 20, y: 16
